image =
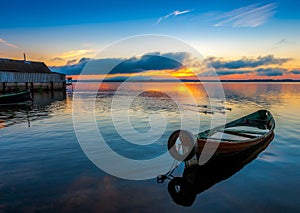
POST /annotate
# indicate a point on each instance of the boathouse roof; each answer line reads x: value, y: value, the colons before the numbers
x: 23, y: 66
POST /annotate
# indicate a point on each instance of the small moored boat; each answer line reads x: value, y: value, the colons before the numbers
x: 235, y: 136
x: 15, y: 98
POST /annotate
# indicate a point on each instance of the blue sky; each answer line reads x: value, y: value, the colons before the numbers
x: 32, y: 13
x: 48, y: 30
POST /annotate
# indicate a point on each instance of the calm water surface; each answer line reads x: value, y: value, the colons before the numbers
x: 43, y: 168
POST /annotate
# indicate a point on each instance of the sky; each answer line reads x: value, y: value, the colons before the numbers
x: 239, y: 39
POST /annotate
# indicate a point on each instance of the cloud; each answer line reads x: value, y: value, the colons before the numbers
x: 8, y: 44
x: 76, y: 53
x: 297, y: 72
x: 72, y: 54
x: 259, y: 72
x: 57, y: 59
x: 99, y: 66
x: 250, y: 16
x: 72, y: 62
x: 122, y: 68
x: 130, y: 79
x: 176, y: 56
x: 147, y: 62
x: 224, y: 72
x: 232, y: 72
x: 174, y: 13
x: 74, y: 69
x: 281, y: 41
x: 270, y: 71
x: 247, y: 62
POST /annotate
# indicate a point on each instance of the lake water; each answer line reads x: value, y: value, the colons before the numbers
x: 44, y: 168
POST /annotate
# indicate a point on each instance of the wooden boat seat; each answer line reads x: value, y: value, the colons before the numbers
x: 259, y: 120
x: 219, y: 139
x: 237, y: 134
x: 245, y: 131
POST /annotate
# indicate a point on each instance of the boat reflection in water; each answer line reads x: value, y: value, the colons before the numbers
x: 196, y: 179
x: 39, y: 109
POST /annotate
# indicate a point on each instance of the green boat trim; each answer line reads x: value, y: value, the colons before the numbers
x: 14, y: 94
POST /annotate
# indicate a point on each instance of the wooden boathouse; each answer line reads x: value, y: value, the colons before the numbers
x: 22, y: 74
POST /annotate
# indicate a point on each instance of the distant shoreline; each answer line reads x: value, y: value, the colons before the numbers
x: 195, y: 81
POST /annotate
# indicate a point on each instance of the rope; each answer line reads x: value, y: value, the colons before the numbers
x: 168, y: 175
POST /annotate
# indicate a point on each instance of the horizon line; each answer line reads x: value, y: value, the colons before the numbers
x: 187, y: 80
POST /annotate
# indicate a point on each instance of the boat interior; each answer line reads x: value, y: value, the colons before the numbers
x: 237, y: 133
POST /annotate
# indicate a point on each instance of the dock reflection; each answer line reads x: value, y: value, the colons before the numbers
x: 197, y: 179
x: 39, y: 109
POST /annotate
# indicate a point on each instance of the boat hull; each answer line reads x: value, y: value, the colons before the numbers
x: 15, y: 98
x: 228, y: 147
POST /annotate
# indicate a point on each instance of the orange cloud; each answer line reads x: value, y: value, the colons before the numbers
x: 75, y: 53
x: 63, y: 58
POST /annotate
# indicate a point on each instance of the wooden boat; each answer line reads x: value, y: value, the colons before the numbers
x: 199, y: 178
x: 15, y: 98
x: 234, y: 136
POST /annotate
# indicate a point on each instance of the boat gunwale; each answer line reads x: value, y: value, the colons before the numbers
x: 18, y: 98
x: 14, y: 93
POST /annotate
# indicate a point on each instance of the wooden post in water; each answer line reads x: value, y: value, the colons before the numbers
x: 26, y: 85
x: 52, y: 89
x: 32, y: 89
x: 3, y: 87
x: 64, y: 86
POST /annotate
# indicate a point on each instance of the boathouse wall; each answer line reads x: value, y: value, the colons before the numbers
x: 17, y: 74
